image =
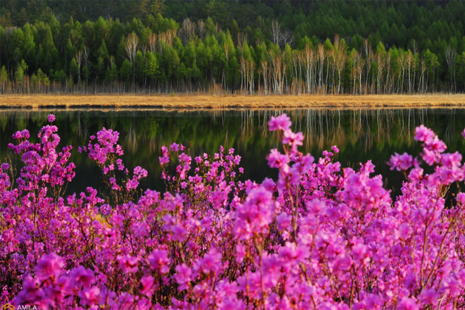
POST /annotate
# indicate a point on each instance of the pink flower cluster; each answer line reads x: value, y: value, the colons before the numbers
x: 319, y: 237
x: 106, y: 152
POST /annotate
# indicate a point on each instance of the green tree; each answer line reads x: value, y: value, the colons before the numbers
x: 111, y: 74
x: 125, y: 71
x: 19, y: 73
x: 216, y: 9
x: 21, y: 18
x: 152, y: 66
x: 28, y: 45
x: 157, y: 7
x: 140, y: 67
x: 73, y: 68
x: 431, y: 63
x: 59, y: 76
x: 3, y: 75
x: 41, y: 78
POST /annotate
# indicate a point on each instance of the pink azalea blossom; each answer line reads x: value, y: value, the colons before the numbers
x: 318, y: 236
x: 82, y: 276
x: 159, y: 260
x: 147, y: 286
x: 129, y: 264
x: 51, y: 118
x: 183, y: 276
x: 49, y: 265
x: 281, y: 122
x: 89, y: 296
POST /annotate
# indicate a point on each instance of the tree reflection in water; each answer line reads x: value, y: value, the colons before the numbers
x: 360, y: 134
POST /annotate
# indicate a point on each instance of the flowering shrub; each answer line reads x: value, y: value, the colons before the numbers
x: 319, y: 237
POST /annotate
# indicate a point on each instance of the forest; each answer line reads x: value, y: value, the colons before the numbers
x: 231, y: 47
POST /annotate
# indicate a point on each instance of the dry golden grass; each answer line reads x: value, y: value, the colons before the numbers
x: 229, y: 102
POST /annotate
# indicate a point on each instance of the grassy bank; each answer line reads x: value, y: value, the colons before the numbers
x: 218, y: 102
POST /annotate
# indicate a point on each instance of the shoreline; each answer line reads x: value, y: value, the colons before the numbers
x: 208, y: 102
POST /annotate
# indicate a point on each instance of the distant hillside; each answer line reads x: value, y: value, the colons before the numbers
x: 393, y: 22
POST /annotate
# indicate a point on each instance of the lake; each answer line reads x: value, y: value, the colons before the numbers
x: 359, y: 134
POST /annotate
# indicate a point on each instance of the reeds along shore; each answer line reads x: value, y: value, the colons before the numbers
x: 230, y: 101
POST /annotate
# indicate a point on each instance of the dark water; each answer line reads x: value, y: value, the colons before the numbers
x: 360, y: 135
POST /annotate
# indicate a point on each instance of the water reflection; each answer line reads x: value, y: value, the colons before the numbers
x: 360, y: 135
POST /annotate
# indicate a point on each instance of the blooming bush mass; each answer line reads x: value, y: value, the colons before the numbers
x: 319, y: 237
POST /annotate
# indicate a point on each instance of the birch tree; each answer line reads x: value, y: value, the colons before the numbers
x: 450, y: 56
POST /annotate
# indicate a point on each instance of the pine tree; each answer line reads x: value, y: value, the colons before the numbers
x: 125, y: 71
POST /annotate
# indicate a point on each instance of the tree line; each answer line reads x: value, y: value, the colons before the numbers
x: 275, y: 54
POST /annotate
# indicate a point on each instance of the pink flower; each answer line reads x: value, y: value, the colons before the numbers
x: 57, y: 292
x: 31, y: 293
x: 82, y: 276
x: 424, y: 134
x: 225, y: 243
x: 128, y: 263
x: 131, y: 184
x: 174, y: 147
x: 437, y: 145
x: 49, y: 265
x: 293, y: 139
x: 461, y: 198
x: 183, y: 276
x: 51, y: 118
x: 147, y: 286
x: 407, y: 304
x: 231, y: 303
x: 401, y: 162
x: 89, y: 296
x: 178, y: 232
x: 277, y: 160
x: 105, y: 209
x: 451, y: 160
x: 126, y: 301
x: 305, y: 163
x: 114, y: 186
x: 283, y: 221
x: 255, y: 214
x: 291, y: 253
x: 429, y: 297
x: 211, y: 262
x: 159, y: 261
x: 316, y: 206
x: 282, y: 122
x: 269, y: 184
x: 250, y: 282
x: 428, y: 156
x: 240, y: 253
x: 359, y: 250
x: 415, y: 174
x: 284, y: 304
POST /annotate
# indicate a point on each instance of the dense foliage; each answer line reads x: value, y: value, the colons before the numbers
x: 319, y: 237
x: 232, y: 46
